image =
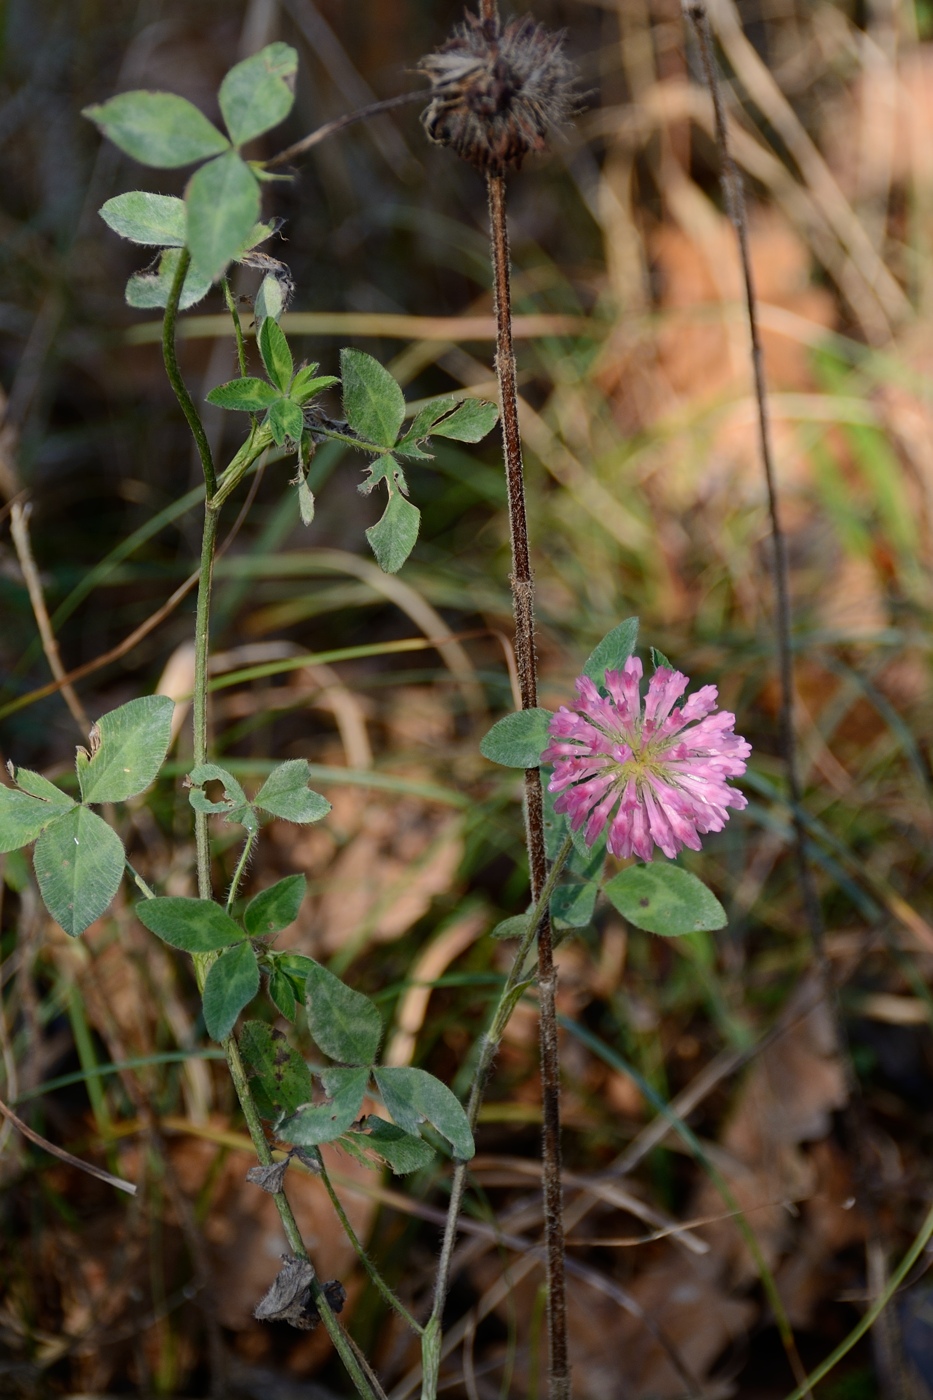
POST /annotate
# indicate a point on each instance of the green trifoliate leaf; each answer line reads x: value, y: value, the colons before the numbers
x: 282, y: 993
x: 373, y: 402
x: 402, y: 1152
x: 223, y: 205
x: 292, y: 969
x: 469, y: 423
x: 22, y: 818
x: 286, y: 794
x: 305, y: 385
x: 128, y: 747
x: 584, y: 854
x: 285, y: 418
x: 664, y: 899
x: 231, y: 983
x: 194, y: 925
x: 324, y: 1122
x: 282, y: 1077
x: 79, y: 865
x: 557, y: 828
x: 288, y: 973
x: 393, y: 537
x: 234, y: 805
x: 466, y: 420
x: 275, y: 908
x: 276, y: 356
x: 233, y: 795
x: 16, y: 872
x: 259, y: 92
x: 158, y: 128
x: 38, y: 786
x: 23, y: 815
x: 613, y: 651
x: 296, y: 968
x: 517, y: 740
x: 586, y: 861
x: 413, y: 1096
x: 556, y: 824
x: 572, y: 904
x: 425, y: 419
x: 407, y: 448
x: 257, y: 234
x: 148, y: 291
x: 157, y: 220
x: 513, y: 927
x: 343, y: 1023
x: 247, y: 395
x: 384, y: 468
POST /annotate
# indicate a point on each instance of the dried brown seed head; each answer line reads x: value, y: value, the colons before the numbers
x: 498, y: 91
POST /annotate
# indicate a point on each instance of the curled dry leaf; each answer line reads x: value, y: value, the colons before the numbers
x: 271, y: 1178
x: 243, y: 1233
x: 289, y: 1297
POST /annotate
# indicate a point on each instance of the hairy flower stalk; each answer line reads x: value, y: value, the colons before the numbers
x: 651, y: 771
x: 497, y: 92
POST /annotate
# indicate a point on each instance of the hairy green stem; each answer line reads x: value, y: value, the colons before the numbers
x: 341, y: 1341
x: 366, y: 1385
x: 139, y: 881
x: 241, y: 866
x: 170, y: 357
x: 237, y: 328
x: 258, y: 442
x: 488, y: 1049
x: 199, y: 697
x: 374, y: 1274
x: 203, y: 961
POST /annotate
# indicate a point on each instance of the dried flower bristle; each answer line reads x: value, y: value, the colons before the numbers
x: 498, y: 91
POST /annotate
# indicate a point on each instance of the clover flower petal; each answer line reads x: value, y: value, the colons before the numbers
x: 650, y: 772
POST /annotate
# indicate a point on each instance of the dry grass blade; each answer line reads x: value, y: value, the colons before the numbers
x: 64, y: 1156
x: 19, y: 529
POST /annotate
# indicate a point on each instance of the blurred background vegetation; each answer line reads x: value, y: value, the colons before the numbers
x: 645, y: 496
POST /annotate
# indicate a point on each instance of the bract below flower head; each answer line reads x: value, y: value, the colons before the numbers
x: 653, y: 771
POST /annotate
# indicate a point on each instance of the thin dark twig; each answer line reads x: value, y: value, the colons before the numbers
x: 734, y: 198
x: 523, y: 607
x: 64, y: 1156
x: 139, y: 633
x: 114, y: 654
x: 19, y: 529
x: 339, y: 123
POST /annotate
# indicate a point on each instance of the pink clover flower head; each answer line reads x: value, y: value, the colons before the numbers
x: 653, y: 770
